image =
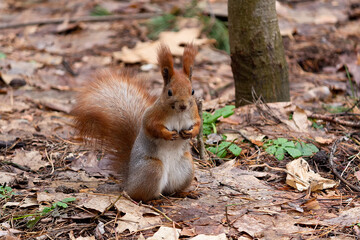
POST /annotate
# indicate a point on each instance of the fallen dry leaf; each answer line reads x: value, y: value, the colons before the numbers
x: 208, y: 237
x: 7, y: 234
x: 136, y: 217
x: 187, y: 232
x: 322, y: 140
x: 312, y: 204
x: 357, y: 175
x: 52, y: 197
x: 85, y: 238
x: 346, y: 218
x: 309, y: 178
x: 6, y: 177
x: 31, y: 159
x: 257, y: 225
x: 47, y: 58
x: 176, y: 40
x: 319, y: 93
x: 166, y: 233
x: 27, y: 202
x: 312, y: 13
x: 98, y: 203
x: 142, y: 52
x: 301, y: 120
x: 146, y: 51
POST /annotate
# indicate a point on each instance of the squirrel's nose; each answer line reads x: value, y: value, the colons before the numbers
x: 182, y: 107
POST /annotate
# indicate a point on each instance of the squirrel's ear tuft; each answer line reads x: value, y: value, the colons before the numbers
x: 166, y: 62
x: 190, y: 52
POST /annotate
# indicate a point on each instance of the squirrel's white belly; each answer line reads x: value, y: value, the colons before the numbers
x: 176, y: 169
x: 171, y: 153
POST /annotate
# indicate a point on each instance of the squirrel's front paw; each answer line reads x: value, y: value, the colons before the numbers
x: 174, y: 135
x: 186, y: 134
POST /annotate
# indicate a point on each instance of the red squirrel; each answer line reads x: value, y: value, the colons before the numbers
x: 149, y: 136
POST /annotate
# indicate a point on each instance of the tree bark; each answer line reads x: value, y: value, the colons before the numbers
x: 257, y: 52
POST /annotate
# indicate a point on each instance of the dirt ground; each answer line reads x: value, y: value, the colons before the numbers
x: 54, y: 187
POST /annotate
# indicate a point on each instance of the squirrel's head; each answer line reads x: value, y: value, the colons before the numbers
x: 178, y: 92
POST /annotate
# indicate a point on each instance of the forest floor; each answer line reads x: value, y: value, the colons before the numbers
x: 52, y: 187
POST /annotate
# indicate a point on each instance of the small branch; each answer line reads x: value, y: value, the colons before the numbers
x: 160, y: 212
x: 80, y: 19
x: 109, y: 207
x: 50, y: 161
x: 353, y: 106
x: 12, y: 144
x: 331, y: 118
x: 331, y: 161
x: 15, y: 165
x: 281, y: 170
x: 68, y: 68
x: 243, y: 212
x: 200, y: 136
x: 264, y: 108
x: 124, y: 194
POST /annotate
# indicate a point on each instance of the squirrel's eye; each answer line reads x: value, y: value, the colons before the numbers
x: 192, y: 92
x: 170, y: 92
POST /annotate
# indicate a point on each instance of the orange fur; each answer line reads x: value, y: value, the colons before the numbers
x: 190, y: 52
x: 105, y: 118
x: 166, y: 62
x: 154, y: 125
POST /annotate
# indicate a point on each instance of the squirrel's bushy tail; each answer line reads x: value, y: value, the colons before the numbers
x: 109, y: 111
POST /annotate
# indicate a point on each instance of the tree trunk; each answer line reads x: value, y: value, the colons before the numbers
x: 257, y: 53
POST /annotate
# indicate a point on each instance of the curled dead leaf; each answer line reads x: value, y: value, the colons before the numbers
x: 306, y: 178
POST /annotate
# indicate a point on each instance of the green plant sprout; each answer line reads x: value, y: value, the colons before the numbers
x: 6, y: 192
x: 99, y: 11
x: 335, y: 109
x: 210, y: 119
x: 280, y: 146
x: 209, y: 126
x: 159, y: 24
x: 315, y: 125
x: 353, y: 92
x: 2, y: 55
x: 46, y: 211
x: 222, y: 149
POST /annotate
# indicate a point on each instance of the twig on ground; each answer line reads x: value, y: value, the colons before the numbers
x: 140, y: 230
x: 109, y: 207
x: 50, y: 161
x: 80, y: 19
x: 124, y: 194
x: 244, y: 211
x: 353, y: 106
x: 333, y: 118
x: 24, y: 168
x: 68, y: 68
x: 200, y: 135
x: 160, y: 212
x: 12, y: 144
x: 281, y: 170
x: 331, y: 162
x: 263, y: 108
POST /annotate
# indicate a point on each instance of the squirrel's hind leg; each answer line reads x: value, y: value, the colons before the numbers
x: 190, y: 174
x: 144, y: 183
x: 182, y: 177
x: 181, y: 191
